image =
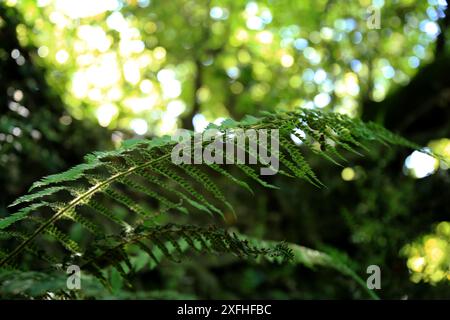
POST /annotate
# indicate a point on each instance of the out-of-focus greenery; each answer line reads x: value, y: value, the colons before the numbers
x: 429, y: 258
x: 37, y: 133
x: 123, y: 62
x: 144, y: 68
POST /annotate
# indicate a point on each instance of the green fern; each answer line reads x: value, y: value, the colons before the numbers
x: 140, y: 178
x: 171, y: 241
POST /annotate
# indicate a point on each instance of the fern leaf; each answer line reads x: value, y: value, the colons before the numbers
x: 118, y: 174
x: 37, y: 195
x: 69, y: 175
x: 21, y: 214
x: 207, y: 183
x: 163, y: 238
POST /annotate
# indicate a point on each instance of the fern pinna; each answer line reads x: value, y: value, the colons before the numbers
x: 120, y: 197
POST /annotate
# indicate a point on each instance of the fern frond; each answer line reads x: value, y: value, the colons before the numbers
x: 136, y: 178
x: 172, y: 241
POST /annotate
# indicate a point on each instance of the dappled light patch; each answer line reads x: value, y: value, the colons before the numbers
x: 429, y: 256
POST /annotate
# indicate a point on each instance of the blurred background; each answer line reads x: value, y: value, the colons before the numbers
x: 79, y: 75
